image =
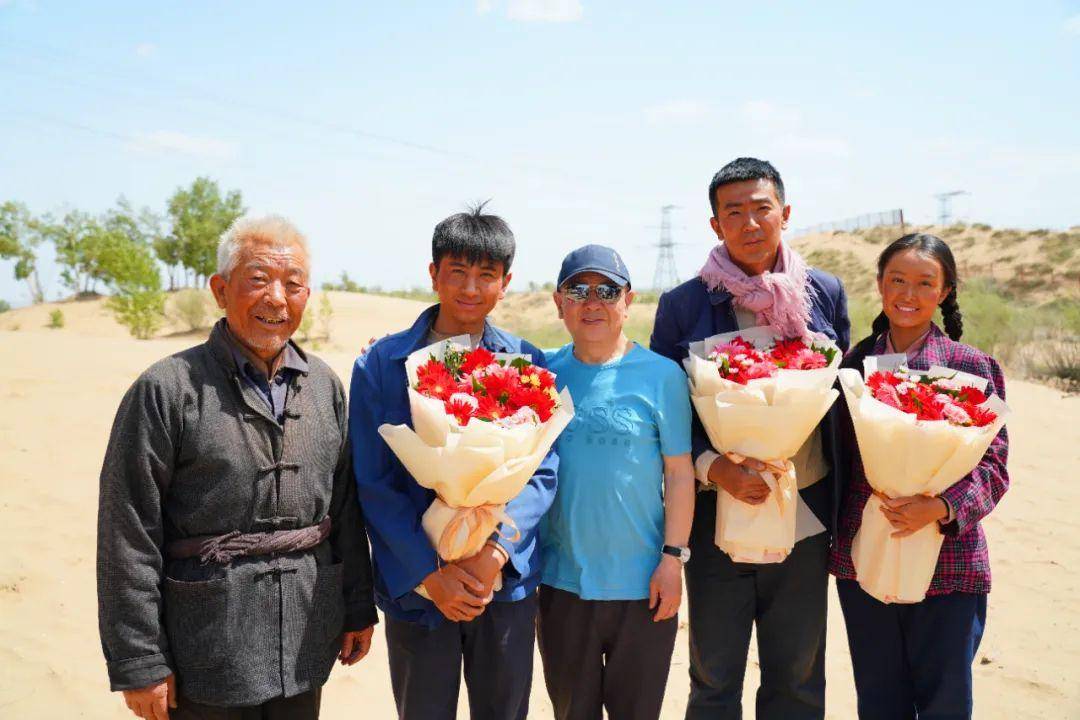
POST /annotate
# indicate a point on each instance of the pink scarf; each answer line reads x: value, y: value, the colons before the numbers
x: 781, y: 298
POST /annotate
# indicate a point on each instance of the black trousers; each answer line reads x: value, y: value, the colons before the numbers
x: 913, y: 661
x: 496, y: 649
x: 788, y: 601
x: 601, y: 654
x: 304, y: 706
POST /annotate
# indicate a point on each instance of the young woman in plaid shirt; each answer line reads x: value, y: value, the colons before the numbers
x: 914, y: 660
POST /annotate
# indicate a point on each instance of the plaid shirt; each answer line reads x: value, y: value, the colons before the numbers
x: 964, y: 562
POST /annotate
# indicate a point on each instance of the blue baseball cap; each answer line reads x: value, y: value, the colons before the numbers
x: 597, y: 259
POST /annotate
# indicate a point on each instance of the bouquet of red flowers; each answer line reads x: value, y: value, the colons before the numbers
x: 761, y: 396
x: 918, y: 433
x: 929, y: 398
x: 482, y: 423
x: 740, y: 361
x: 475, y: 384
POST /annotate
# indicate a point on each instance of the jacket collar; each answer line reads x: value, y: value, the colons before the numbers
x: 935, y: 351
x: 415, y: 337
x: 223, y: 347
x: 718, y: 295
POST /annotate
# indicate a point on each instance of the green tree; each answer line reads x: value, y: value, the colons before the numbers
x: 122, y: 254
x: 77, y: 238
x: 199, y: 216
x: 20, y: 234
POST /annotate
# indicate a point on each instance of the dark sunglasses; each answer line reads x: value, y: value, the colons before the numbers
x: 605, y: 293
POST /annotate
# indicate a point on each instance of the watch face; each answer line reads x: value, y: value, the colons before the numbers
x: 684, y: 554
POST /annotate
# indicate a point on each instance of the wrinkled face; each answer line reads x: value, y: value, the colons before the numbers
x: 912, y: 287
x: 264, y: 295
x: 593, y: 321
x: 750, y: 221
x: 468, y: 292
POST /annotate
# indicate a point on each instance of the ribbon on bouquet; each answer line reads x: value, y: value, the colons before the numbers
x: 469, y: 527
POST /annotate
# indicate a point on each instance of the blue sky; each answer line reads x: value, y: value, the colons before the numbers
x: 367, y: 123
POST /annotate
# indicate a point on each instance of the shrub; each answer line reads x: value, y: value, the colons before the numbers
x: 4, y: 306
x: 306, y: 324
x: 56, y: 319
x: 142, y: 311
x: 326, y: 315
x: 1058, y: 360
x: 862, y: 309
x: 1059, y: 248
x: 981, y: 226
x: 191, y: 308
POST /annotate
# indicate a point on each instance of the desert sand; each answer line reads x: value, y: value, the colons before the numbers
x: 59, y: 391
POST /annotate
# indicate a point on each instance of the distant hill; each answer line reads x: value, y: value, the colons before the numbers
x: 1031, y: 265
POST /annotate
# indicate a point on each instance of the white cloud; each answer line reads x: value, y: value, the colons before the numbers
x: 169, y: 141
x: 545, y: 10
x: 483, y: 7
x: 1072, y: 25
x: 145, y: 49
x: 675, y: 112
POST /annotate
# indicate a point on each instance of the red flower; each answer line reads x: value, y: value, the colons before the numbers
x: 535, y: 398
x: 971, y: 395
x: 462, y: 406
x: 980, y: 417
x: 477, y: 358
x: 490, y: 409
x: 434, y: 380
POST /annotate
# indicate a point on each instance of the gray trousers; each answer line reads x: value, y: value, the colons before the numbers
x: 304, y: 706
x: 495, y: 648
x: 603, y: 654
x: 787, y: 600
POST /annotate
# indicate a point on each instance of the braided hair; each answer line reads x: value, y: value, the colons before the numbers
x: 936, y: 248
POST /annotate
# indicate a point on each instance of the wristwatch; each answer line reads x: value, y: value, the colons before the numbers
x: 683, y: 553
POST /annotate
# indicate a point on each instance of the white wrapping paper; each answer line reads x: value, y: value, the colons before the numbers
x: 768, y: 419
x: 902, y: 457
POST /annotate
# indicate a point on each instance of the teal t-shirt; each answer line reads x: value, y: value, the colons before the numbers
x: 601, y: 539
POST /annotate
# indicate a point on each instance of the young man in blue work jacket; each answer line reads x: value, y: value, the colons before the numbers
x: 459, y: 620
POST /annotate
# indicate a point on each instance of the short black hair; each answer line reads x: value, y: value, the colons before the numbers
x: 475, y: 237
x: 741, y: 170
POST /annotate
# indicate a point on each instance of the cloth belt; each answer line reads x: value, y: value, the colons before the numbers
x: 224, y: 548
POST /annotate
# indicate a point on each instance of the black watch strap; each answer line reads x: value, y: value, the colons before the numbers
x: 677, y: 552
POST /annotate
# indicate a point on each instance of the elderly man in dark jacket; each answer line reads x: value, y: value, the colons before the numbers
x: 233, y: 562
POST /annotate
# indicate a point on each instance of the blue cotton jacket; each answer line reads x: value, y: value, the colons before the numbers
x: 692, y: 312
x: 392, y: 501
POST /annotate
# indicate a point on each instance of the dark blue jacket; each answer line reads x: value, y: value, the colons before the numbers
x: 392, y: 501
x: 691, y: 312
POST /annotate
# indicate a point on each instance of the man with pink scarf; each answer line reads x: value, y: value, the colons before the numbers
x: 752, y: 277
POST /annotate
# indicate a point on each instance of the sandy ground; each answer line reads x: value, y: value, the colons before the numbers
x: 59, y: 390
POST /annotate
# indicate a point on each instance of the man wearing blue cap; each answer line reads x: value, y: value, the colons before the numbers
x: 615, y: 538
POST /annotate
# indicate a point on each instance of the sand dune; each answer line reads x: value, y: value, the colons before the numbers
x: 59, y: 390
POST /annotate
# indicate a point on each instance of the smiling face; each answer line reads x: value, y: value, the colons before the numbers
x: 467, y: 291
x: 264, y: 295
x: 911, y: 286
x: 593, y: 321
x: 750, y: 221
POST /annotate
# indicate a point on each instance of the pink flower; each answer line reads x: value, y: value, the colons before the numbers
x: 955, y: 414
x: 806, y: 359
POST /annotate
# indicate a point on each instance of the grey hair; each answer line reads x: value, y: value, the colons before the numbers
x: 273, y: 229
